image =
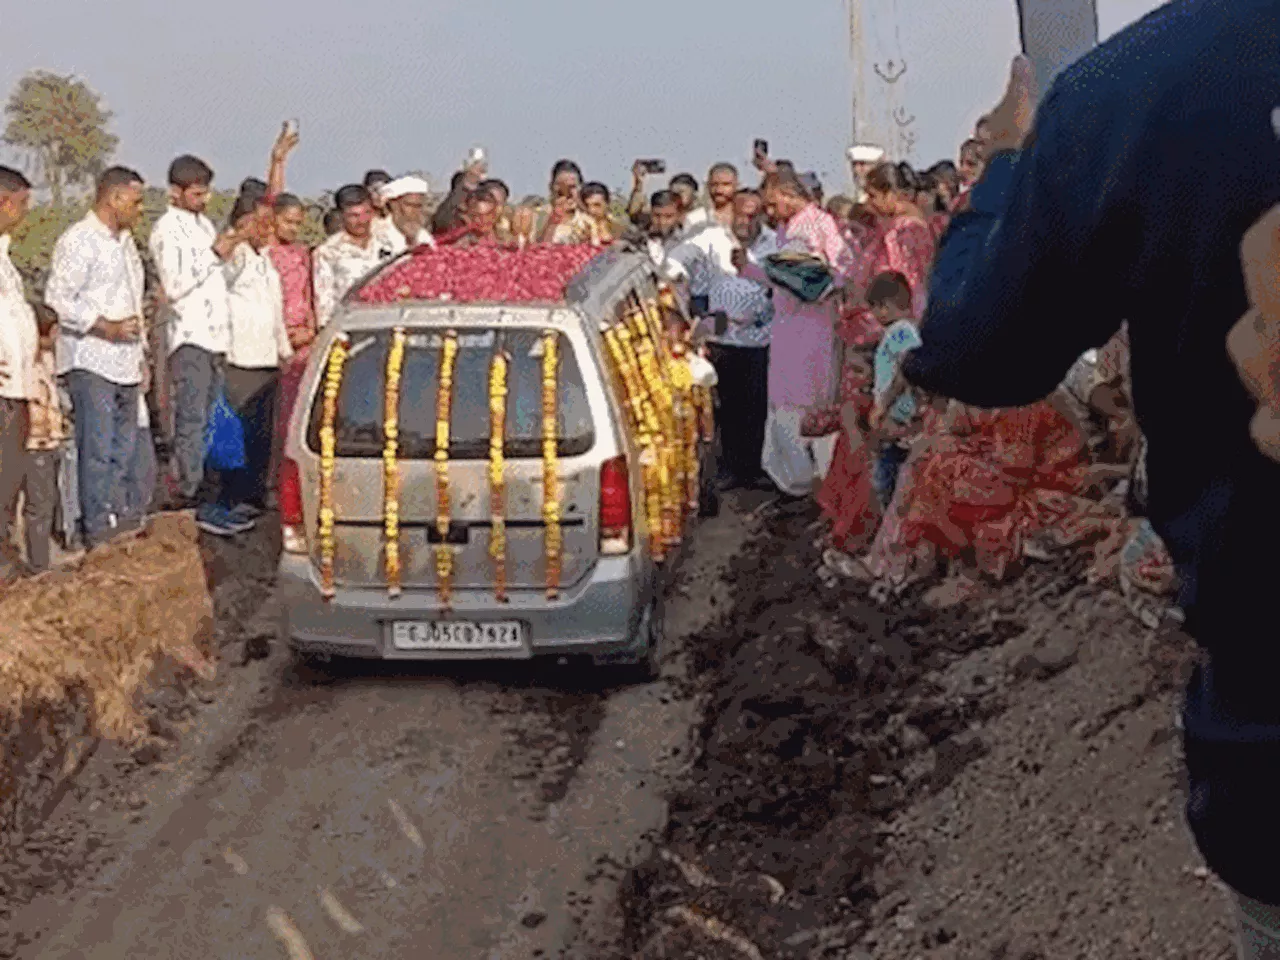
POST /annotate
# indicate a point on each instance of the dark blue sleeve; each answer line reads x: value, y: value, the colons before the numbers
x: 1027, y: 280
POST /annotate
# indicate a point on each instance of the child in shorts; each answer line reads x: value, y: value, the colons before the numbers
x: 895, y: 405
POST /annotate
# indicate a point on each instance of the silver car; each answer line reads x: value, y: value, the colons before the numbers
x: 609, y: 604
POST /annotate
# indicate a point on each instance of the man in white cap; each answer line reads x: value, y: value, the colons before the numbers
x: 862, y: 157
x: 406, y: 223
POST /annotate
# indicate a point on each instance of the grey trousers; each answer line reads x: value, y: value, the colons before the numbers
x: 34, y: 474
x: 13, y: 470
x: 195, y: 377
x: 41, y: 500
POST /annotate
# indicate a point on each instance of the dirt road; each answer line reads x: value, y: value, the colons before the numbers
x: 477, y: 811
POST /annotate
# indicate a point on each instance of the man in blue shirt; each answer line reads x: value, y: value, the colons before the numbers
x: 1148, y: 161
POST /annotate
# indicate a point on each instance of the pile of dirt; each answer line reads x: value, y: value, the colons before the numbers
x: 71, y: 793
x: 78, y: 645
x: 837, y: 740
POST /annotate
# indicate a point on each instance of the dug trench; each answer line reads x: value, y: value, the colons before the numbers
x: 996, y: 782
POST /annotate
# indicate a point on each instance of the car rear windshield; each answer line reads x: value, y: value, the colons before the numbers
x: 359, y: 422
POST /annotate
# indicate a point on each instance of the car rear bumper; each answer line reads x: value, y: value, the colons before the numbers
x: 597, y: 616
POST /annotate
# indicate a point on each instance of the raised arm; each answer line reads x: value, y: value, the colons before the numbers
x: 280, y: 150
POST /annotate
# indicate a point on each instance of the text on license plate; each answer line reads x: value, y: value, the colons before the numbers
x: 457, y: 635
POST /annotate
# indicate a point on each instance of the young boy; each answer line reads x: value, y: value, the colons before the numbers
x: 895, y: 403
x: 46, y: 436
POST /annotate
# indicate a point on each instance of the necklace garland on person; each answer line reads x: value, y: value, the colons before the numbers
x: 550, y: 467
x: 391, y: 462
x: 497, y: 473
x: 337, y: 359
x: 444, y: 402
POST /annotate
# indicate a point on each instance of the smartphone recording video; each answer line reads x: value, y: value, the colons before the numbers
x: 1055, y: 34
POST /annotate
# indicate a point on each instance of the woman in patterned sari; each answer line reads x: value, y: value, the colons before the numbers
x: 981, y: 487
x: 895, y: 239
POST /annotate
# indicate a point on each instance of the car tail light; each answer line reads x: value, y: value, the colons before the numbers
x: 615, y: 507
x: 292, y: 524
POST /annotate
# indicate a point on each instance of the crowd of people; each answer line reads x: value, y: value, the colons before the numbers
x: 812, y: 401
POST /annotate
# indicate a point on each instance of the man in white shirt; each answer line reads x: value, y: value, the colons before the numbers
x: 406, y: 224
x: 349, y: 255
x: 18, y: 347
x: 189, y: 255
x: 96, y: 287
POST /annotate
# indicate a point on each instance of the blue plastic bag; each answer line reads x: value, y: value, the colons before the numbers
x: 224, y: 437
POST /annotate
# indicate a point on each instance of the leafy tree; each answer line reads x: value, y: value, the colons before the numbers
x: 60, y: 123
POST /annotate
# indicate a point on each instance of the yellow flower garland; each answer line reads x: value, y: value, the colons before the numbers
x: 656, y: 409
x: 391, y: 462
x: 497, y: 473
x: 550, y: 470
x: 646, y: 437
x: 444, y: 402
x: 338, y: 353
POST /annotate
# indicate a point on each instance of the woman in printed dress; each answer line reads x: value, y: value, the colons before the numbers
x: 979, y: 486
x: 894, y: 238
x: 293, y: 263
x: 802, y: 364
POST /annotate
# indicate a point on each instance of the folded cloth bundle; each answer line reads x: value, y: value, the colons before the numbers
x: 806, y: 276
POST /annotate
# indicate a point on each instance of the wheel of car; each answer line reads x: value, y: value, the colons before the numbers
x: 709, y: 498
x: 646, y: 667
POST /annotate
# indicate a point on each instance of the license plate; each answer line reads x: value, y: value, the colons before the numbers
x: 457, y: 635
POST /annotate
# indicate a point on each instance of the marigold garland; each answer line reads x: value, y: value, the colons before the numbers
x: 444, y: 403
x: 646, y: 438
x: 391, y: 462
x: 497, y: 473
x: 550, y: 470
x: 338, y: 353
x: 687, y: 419
x: 660, y: 423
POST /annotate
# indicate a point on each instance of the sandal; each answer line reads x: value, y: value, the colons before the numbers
x: 840, y: 562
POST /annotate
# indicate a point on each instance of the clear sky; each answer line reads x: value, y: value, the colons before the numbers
x: 412, y: 84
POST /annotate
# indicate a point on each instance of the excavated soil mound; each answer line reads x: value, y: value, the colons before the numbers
x: 894, y: 784
x: 77, y: 645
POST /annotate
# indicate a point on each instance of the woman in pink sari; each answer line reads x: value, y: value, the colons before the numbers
x: 292, y: 261
x: 897, y: 240
x: 802, y: 360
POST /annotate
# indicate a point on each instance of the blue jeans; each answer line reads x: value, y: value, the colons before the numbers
x: 884, y: 479
x: 195, y: 377
x: 106, y: 419
x: 142, y: 474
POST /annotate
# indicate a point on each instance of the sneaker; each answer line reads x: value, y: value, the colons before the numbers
x: 217, y: 520
x: 245, y: 513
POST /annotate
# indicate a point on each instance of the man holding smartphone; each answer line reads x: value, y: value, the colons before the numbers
x: 1113, y: 208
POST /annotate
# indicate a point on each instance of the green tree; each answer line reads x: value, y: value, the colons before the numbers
x: 60, y: 123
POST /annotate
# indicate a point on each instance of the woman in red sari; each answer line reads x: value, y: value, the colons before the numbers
x: 896, y: 239
x: 980, y: 486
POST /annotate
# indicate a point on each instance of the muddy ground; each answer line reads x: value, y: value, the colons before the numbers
x: 999, y: 781
x: 470, y: 810
x: 812, y: 778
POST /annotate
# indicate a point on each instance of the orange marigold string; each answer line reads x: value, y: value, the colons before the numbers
x: 338, y: 353
x: 550, y: 466
x: 391, y: 462
x: 444, y: 404
x: 497, y: 473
